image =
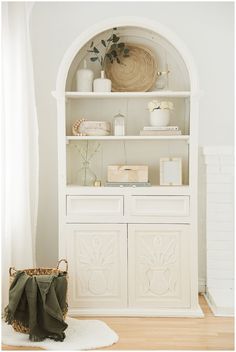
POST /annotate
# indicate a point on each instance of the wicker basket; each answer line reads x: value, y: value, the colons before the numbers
x: 137, y: 73
x: 17, y: 326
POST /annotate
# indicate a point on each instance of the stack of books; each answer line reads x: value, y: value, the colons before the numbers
x: 160, y: 131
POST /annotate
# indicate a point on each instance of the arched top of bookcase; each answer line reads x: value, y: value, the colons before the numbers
x: 137, y: 30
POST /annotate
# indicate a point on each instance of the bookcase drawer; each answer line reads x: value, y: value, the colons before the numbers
x: 91, y: 208
x: 159, y: 206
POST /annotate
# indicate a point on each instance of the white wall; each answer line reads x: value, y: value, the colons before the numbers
x: 207, y: 30
x: 220, y: 228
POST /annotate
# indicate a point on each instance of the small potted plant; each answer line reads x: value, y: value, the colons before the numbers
x: 160, y: 112
x: 111, y: 49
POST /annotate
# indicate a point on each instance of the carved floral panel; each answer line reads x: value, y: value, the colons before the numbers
x: 158, y: 264
x: 97, y: 264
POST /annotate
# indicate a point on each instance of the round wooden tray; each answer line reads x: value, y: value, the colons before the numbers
x: 136, y: 73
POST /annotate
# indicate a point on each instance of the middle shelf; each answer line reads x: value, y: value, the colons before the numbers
x: 136, y: 116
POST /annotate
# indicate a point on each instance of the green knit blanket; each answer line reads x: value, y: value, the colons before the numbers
x: 38, y: 303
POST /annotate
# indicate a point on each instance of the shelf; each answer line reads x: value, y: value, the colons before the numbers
x: 152, y: 190
x: 111, y: 95
x: 119, y: 138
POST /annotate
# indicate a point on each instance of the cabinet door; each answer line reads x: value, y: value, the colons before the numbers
x: 158, y: 266
x: 97, y: 256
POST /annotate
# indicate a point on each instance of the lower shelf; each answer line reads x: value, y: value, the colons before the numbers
x: 115, y: 138
x: 152, y: 190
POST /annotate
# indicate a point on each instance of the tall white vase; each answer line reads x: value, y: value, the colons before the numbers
x: 84, y: 79
x: 160, y: 117
x: 102, y: 84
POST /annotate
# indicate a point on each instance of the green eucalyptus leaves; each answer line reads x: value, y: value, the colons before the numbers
x: 112, y: 50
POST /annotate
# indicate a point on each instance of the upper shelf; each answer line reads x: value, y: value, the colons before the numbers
x: 154, y: 94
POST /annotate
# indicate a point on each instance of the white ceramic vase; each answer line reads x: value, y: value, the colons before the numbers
x: 84, y: 79
x: 102, y: 84
x: 160, y: 117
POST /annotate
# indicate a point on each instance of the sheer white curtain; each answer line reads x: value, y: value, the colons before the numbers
x: 19, y: 142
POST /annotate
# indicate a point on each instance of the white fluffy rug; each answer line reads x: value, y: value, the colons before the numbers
x: 80, y: 335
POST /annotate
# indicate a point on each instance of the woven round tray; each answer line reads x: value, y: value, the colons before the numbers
x: 136, y: 73
x: 17, y: 326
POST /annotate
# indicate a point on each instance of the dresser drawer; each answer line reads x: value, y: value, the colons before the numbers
x: 160, y: 206
x: 94, y: 207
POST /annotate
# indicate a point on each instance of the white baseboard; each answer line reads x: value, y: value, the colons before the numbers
x: 221, y: 302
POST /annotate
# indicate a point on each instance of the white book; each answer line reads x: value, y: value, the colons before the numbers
x: 160, y: 133
x: 157, y: 128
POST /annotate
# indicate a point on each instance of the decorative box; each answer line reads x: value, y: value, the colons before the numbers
x: 127, y: 173
x: 91, y: 128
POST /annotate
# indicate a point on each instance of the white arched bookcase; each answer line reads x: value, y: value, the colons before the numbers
x: 131, y: 250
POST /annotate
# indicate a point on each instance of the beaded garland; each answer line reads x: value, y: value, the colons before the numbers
x: 75, y: 128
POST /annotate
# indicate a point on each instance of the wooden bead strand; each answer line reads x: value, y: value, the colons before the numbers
x: 76, y: 126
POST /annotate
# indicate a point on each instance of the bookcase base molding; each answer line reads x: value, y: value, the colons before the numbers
x: 151, y: 313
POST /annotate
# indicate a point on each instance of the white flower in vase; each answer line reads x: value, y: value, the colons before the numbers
x: 160, y: 112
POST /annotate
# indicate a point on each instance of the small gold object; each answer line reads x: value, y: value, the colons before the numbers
x: 97, y: 183
x: 161, y: 73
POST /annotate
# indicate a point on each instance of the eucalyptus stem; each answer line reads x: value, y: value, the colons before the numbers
x: 114, y: 50
x: 107, y: 50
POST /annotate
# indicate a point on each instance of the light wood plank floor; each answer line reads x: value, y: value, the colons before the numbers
x: 208, y: 333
